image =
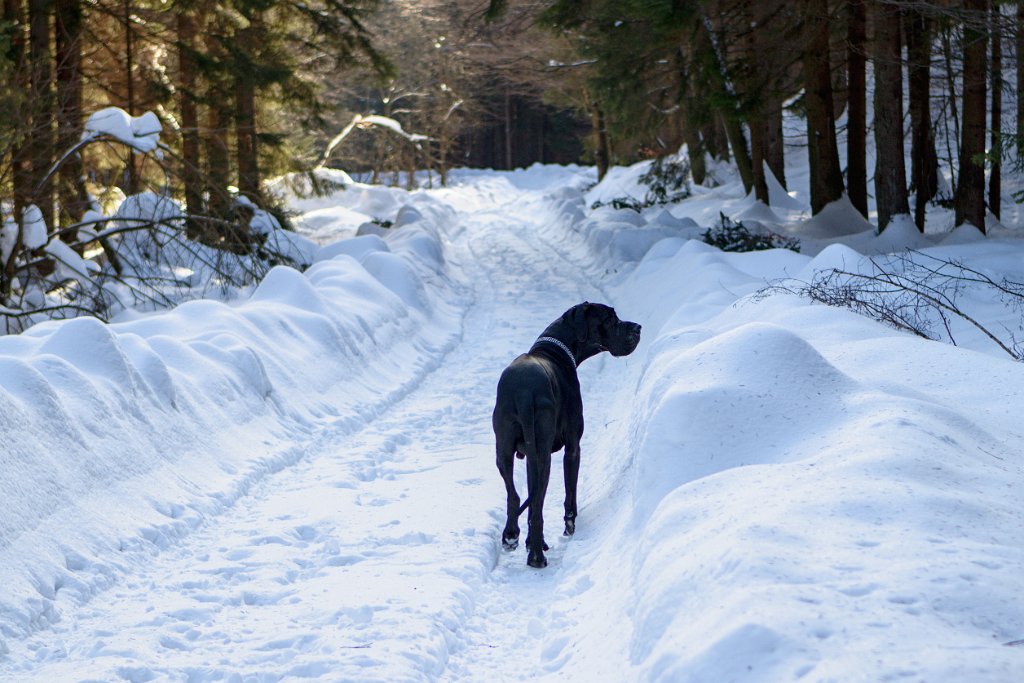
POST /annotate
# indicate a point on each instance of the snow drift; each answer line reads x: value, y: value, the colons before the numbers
x: 105, y: 425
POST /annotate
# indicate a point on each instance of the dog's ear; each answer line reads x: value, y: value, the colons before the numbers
x: 580, y: 321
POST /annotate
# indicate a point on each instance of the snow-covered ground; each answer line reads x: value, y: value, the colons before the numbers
x: 302, y: 484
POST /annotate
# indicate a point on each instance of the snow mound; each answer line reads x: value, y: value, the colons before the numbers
x: 758, y: 211
x: 356, y: 247
x: 837, y: 219
x: 962, y: 234
x: 834, y: 256
x: 899, y: 235
x: 753, y: 369
x: 778, y: 196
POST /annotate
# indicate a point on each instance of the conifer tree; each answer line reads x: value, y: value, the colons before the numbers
x: 969, y: 202
x: 890, y: 169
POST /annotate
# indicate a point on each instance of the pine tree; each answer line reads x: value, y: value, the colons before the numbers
x: 890, y: 170
x: 969, y: 202
x: 856, y: 127
x: 823, y: 152
x: 924, y: 162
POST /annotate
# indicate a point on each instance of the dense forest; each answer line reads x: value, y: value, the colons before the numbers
x: 244, y: 91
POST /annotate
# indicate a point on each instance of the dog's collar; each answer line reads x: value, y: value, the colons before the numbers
x: 560, y: 344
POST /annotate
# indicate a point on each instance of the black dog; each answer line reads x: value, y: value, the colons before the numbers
x: 539, y: 410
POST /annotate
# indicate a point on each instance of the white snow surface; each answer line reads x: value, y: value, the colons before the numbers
x: 302, y: 484
x: 139, y: 132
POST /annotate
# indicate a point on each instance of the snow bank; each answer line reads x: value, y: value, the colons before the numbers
x: 125, y: 436
x: 813, y: 494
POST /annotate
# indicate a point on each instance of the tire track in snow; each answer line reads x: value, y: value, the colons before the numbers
x: 367, y: 558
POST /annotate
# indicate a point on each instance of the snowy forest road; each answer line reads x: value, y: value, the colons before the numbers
x: 376, y: 556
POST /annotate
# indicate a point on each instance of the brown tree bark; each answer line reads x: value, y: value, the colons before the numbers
x: 774, y: 144
x: 134, y: 180
x: 924, y: 161
x: 246, y: 150
x: 823, y: 152
x: 755, y: 101
x: 856, y: 127
x: 1019, y: 39
x: 715, y: 140
x: 21, y: 177
x: 218, y: 128
x: 602, y: 143
x: 969, y: 202
x: 218, y: 160
x: 995, y: 178
x: 191, y: 162
x: 72, y: 195
x: 757, y: 160
x: 688, y: 120
x: 890, y: 169
x: 41, y: 102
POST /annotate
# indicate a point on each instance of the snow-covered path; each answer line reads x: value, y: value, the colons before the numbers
x: 301, y: 484
x: 330, y: 567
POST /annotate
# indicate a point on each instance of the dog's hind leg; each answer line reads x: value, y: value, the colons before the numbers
x: 506, y: 462
x: 538, y: 472
x: 571, y: 469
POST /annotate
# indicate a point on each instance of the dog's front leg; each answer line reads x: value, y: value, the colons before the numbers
x: 571, y: 469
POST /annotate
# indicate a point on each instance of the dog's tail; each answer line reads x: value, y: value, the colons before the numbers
x: 528, y: 420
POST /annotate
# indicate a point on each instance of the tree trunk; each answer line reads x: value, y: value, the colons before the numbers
x: 687, y: 120
x: 245, y: 139
x: 603, y: 151
x: 890, y: 170
x: 947, y: 54
x: 715, y: 141
x: 995, y: 173
x: 728, y: 111
x: 602, y: 144
x: 757, y: 160
x: 73, y: 197
x: 969, y: 202
x: 755, y: 106
x: 1019, y: 28
x: 924, y: 162
x: 191, y: 171
x: 129, y: 68
x: 218, y: 160
x: 823, y: 152
x: 856, y: 128
x: 41, y: 140
x: 774, y: 144
x: 21, y: 177
x: 508, y: 130
x: 218, y: 128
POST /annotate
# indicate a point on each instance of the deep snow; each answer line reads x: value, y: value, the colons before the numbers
x: 301, y: 484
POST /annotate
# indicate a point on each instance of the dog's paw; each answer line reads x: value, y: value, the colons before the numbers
x: 510, y: 541
x: 537, y: 560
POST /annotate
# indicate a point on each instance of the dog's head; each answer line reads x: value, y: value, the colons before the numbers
x: 598, y: 329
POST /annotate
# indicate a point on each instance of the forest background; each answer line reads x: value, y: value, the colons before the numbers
x: 250, y: 90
